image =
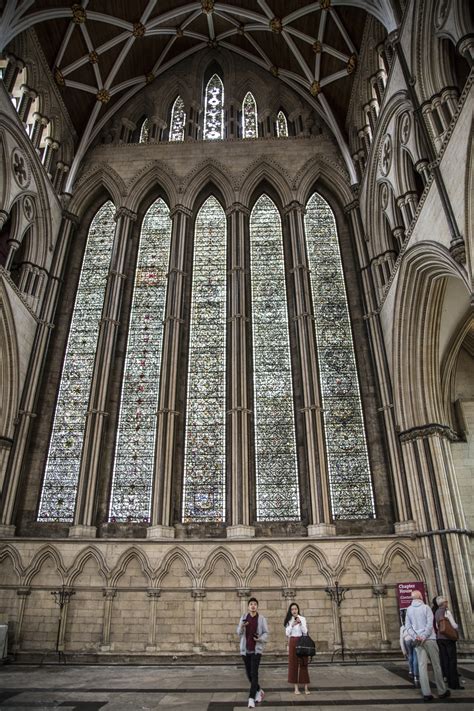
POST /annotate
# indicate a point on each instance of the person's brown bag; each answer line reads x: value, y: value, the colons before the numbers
x: 445, y: 628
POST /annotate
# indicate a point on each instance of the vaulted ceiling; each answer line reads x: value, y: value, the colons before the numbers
x: 102, y: 52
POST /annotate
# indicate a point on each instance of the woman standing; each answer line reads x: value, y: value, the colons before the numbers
x: 447, y: 646
x: 295, y: 627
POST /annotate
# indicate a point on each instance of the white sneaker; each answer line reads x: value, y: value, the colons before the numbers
x: 260, y: 696
x: 251, y: 704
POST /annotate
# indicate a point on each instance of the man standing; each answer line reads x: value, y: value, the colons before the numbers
x: 419, y: 625
x: 253, y: 632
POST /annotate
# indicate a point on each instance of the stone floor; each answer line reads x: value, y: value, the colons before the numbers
x: 71, y: 687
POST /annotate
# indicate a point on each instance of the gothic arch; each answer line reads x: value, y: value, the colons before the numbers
x: 9, y: 365
x: 269, y: 554
x: 448, y: 367
x: 331, y: 174
x: 259, y: 171
x: 90, y: 182
x: 310, y: 551
x: 10, y: 552
x: 354, y: 550
x: 124, y: 560
x: 153, y: 174
x: 218, y: 554
x: 89, y: 553
x: 407, y: 556
x: 172, y: 556
x: 210, y: 171
x: 47, y: 552
x: 418, y: 298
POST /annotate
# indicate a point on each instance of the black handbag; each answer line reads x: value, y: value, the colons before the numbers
x: 305, y: 646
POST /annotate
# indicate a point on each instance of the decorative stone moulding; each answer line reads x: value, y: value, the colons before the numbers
x: 103, y: 96
x: 93, y: 57
x: 317, y: 47
x: 58, y: 77
x: 405, y: 128
x: 138, y: 29
x: 21, y: 168
x: 274, y: 71
x: 150, y: 77
x: 78, y: 14
x: 276, y: 25
x: 386, y: 157
x: 207, y: 6
x: 351, y: 63
x: 325, y: 4
x: 315, y: 88
x: 240, y: 532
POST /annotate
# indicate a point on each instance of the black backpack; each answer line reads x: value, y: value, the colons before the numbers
x: 305, y: 646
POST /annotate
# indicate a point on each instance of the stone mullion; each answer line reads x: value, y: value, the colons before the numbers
x: 23, y: 594
x: 167, y: 414
x: 63, y: 613
x: 27, y: 410
x: 403, y: 500
x: 380, y: 592
x: 239, y: 406
x: 153, y: 596
x: 320, y: 509
x: 96, y: 414
x: 198, y: 596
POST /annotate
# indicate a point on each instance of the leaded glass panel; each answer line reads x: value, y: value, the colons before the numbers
x: 349, y: 472
x: 275, y: 444
x: 281, y: 125
x: 178, y: 120
x: 214, y: 109
x: 134, y: 456
x: 204, y: 462
x: 62, y: 467
x: 145, y: 132
x: 249, y: 117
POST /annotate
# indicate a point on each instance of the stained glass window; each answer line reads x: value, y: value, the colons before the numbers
x: 178, y: 120
x: 214, y: 109
x: 133, y: 469
x: 281, y: 125
x: 62, y: 468
x: 204, y: 463
x: 145, y: 132
x: 275, y: 444
x: 249, y: 117
x: 349, y: 473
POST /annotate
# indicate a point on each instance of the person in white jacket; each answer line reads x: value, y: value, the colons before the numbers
x: 295, y: 626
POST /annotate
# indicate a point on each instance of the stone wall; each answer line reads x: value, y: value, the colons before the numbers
x: 151, y: 598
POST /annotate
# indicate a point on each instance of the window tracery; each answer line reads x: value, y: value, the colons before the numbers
x: 62, y: 468
x: 134, y: 456
x: 249, y: 117
x: 178, y: 120
x: 349, y: 470
x: 144, y: 132
x: 214, y: 109
x: 204, y: 461
x: 281, y: 125
x: 275, y: 443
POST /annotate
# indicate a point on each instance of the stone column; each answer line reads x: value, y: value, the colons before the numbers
x: 13, y: 69
x: 63, y: 613
x: 60, y: 172
x: 27, y: 98
x: 39, y: 124
x: 243, y: 594
x: 439, y: 515
x: 380, y: 592
x: 402, y: 502
x: 198, y: 596
x: 27, y: 409
x: 23, y: 594
x: 193, y: 131
x: 86, y: 491
x: 49, y: 150
x: 239, y: 413
x: 127, y: 129
x: 167, y: 414
x: 109, y: 594
x: 319, y: 505
x: 153, y: 596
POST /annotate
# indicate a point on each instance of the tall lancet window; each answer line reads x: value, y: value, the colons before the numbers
x: 249, y: 117
x: 62, y: 467
x: 178, y: 120
x: 349, y: 473
x: 275, y: 442
x: 281, y: 125
x: 145, y: 132
x: 133, y: 469
x: 214, y: 109
x: 204, y: 461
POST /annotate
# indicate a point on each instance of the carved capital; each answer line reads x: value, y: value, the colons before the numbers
x: 379, y: 590
x: 109, y: 593
x: 198, y: 594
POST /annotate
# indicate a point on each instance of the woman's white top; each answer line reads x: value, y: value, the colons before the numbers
x: 449, y: 616
x: 297, y: 630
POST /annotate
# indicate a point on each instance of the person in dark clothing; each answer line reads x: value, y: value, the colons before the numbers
x: 447, y: 647
x: 253, y: 632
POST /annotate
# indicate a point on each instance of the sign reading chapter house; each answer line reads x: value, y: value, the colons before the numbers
x: 404, y: 591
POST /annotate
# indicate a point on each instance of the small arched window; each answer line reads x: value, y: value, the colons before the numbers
x: 144, y: 132
x: 281, y: 125
x: 178, y: 120
x: 214, y: 109
x: 249, y: 117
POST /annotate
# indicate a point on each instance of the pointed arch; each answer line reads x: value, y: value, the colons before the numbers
x: 214, y: 109
x: 133, y: 553
x: 266, y: 553
x: 397, y: 548
x: 99, y: 179
x: 281, y: 125
x: 153, y: 174
x: 209, y: 171
x: 177, y: 120
x: 89, y: 553
x: 354, y: 550
x: 9, y: 364
x: 177, y: 554
x: 225, y: 555
x: 144, y: 136
x: 264, y: 170
x: 316, y: 555
x: 10, y: 552
x: 47, y: 552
